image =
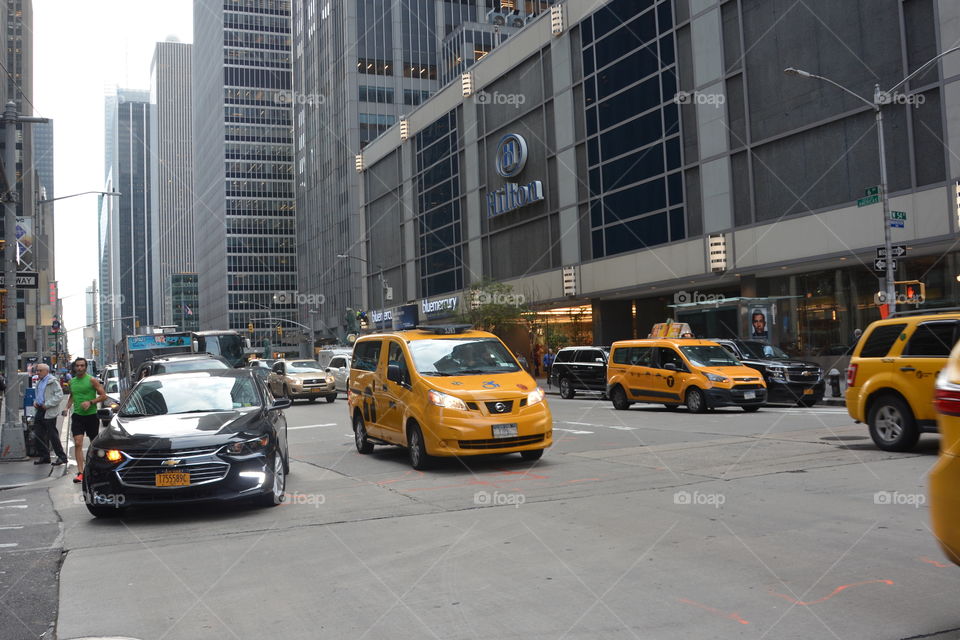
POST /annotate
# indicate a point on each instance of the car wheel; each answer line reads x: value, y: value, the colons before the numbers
x: 566, y: 389
x: 286, y: 462
x: 533, y: 454
x: 671, y: 407
x: 417, y: 449
x: 751, y: 409
x: 696, y: 402
x: 331, y: 398
x: 892, y: 425
x: 279, y: 484
x: 807, y: 401
x: 360, y: 435
x: 619, y: 398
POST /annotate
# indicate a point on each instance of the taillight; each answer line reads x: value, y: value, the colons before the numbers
x: 947, y: 401
x: 851, y: 375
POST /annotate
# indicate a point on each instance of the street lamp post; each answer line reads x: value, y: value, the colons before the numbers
x: 383, y: 284
x: 880, y: 98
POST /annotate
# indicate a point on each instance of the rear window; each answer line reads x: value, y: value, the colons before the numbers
x: 931, y: 339
x: 641, y: 356
x: 878, y: 343
x: 589, y: 355
x: 565, y: 355
x: 366, y: 355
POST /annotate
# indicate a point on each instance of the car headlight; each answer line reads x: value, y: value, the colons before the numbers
x: 535, y: 396
x: 329, y: 379
x: 111, y: 455
x: 777, y: 373
x: 446, y: 401
x: 712, y: 377
x: 246, y: 447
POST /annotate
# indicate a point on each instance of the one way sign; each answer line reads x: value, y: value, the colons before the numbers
x: 898, y: 251
x: 880, y: 264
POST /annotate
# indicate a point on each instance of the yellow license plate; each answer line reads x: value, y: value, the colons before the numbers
x: 808, y: 392
x: 173, y: 479
x: 316, y: 390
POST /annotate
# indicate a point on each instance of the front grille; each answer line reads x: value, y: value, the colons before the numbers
x: 505, y: 406
x: 744, y: 379
x: 500, y: 443
x: 142, y: 473
x: 314, y: 381
x: 747, y: 387
x: 796, y: 374
x: 163, y: 454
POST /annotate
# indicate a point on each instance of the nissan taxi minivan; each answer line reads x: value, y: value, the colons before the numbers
x: 445, y: 391
x: 673, y: 371
x: 945, y: 475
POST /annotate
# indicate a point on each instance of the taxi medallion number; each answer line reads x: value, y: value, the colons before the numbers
x: 508, y: 430
x: 173, y: 479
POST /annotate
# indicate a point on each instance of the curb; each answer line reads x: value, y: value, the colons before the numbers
x: 52, y: 477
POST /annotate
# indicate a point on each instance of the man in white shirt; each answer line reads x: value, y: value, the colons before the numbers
x: 47, y: 401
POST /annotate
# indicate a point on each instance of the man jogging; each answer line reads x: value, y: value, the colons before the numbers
x: 86, y: 392
x: 49, y: 395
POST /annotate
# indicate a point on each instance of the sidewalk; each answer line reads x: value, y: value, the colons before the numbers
x: 20, y: 473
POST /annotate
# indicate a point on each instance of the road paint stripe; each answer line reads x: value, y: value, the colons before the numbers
x: 313, y: 426
x: 15, y: 506
x: 833, y: 593
x: 7, y: 545
x: 12, y: 527
x: 565, y: 431
x: 9, y: 501
x: 729, y: 616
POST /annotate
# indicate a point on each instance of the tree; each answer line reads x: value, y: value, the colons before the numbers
x: 490, y: 305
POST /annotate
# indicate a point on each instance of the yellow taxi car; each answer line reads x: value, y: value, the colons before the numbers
x: 945, y: 476
x: 445, y: 391
x: 698, y: 373
x: 891, y: 375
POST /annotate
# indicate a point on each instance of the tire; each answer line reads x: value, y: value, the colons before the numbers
x: 104, y: 511
x: 566, y: 389
x: 750, y: 409
x: 417, y: 449
x: 671, y: 407
x: 619, y: 399
x: 892, y: 425
x: 278, y: 483
x: 286, y: 462
x: 532, y: 455
x: 364, y: 446
x: 696, y: 402
x: 331, y: 398
x: 807, y: 401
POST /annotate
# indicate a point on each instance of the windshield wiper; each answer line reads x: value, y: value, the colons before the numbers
x: 435, y: 373
x: 134, y: 414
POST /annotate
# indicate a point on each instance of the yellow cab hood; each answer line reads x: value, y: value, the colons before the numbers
x: 734, y: 372
x: 485, y: 386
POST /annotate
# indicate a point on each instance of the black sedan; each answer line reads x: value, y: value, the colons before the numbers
x: 190, y: 437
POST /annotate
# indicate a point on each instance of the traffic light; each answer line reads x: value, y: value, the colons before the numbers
x: 250, y: 327
x: 911, y: 292
x: 279, y: 331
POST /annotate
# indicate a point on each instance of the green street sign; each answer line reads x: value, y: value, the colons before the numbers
x: 898, y: 215
x: 863, y: 202
x: 871, y: 191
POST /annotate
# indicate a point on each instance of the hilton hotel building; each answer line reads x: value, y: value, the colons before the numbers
x: 596, y: 157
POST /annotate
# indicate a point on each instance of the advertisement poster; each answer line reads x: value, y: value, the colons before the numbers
x: 761, y: 323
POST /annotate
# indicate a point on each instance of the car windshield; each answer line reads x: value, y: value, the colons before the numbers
x: 201, y: 364
x: 303, y: 366
x: 190, y: 395
x: 111, y: 386
x: 765, y: 351
x: 461, y: 356
x: 709, y: 356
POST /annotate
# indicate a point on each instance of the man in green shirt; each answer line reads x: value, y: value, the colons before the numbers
x: 84, y: 395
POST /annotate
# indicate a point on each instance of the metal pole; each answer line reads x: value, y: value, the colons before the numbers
x: 885, y: 199
x: 13, y: 442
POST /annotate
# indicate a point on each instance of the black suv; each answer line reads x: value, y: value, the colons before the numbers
x: 788, y: 380
x: 580, y: 368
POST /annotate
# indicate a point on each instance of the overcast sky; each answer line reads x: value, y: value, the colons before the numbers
x: 81, y: 49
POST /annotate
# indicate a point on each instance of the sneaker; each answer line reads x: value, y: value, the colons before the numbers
x: 78, y: 478
x: 41, y: 461
x: 59, y: 462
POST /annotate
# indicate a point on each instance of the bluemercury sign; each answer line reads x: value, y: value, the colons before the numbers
x: 440, y: 305
x: 511, y: 159
x: 380, y: 317
x: 139, y: 343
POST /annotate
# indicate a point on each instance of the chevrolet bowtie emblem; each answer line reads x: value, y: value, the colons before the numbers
x: 171, y: 462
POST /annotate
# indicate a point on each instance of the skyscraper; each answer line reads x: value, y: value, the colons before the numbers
x: 171, y: 154
x: 243, y: 162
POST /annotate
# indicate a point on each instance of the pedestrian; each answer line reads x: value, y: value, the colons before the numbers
x: 537, y: 359
x: 548, y: 358
x: 86, y: 393
x: 47, y: 399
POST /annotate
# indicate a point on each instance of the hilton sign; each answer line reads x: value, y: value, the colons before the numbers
x: 511, y: 159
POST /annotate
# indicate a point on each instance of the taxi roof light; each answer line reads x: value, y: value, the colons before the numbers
x: 445, y: 329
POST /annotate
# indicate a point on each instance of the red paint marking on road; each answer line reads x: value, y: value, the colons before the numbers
x: 525, y: 474
x: 401, y: 478
x: 582, y: 480
x: 728, y: 616
x: 935, y: 563
x: 835, y: 592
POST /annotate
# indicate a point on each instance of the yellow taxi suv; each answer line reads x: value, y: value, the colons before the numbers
x: 891, y: 376
x: 945, y: 476
x: 445, y: 391
x: 700, y: 374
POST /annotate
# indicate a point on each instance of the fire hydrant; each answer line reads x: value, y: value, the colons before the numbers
x: 834, y: 378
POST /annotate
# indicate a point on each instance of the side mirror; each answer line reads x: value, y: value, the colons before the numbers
x: 394, y: 374
x: 670, y: 366
x: 281, y: 403
x: 327, y: 370
x: 105, y: 414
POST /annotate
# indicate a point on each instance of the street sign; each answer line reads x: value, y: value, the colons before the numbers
x: 880, y: 264
x: 25, y: 280
x: 863, y: 202
x: 872, y: 191
x: 898, y: 251
x: 896, y: 224
x: 898, y: 215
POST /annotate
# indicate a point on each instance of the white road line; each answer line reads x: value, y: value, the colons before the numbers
x: 15, y: 506
x: 571, y: 431
x: 599, y: 426
x: 7, y: 545
x: 9, y: 501
x: 313, y: 426
x: 12, y: 527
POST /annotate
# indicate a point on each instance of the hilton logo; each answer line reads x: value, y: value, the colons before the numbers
x: 510, y: 161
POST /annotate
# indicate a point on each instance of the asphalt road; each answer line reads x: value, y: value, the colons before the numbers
x: 786, y: 523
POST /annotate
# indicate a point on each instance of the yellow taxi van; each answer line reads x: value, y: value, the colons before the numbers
x: 445, y: 391
x: 945, y: 475
x: 697, y: 373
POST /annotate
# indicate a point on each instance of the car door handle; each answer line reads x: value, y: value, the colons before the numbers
x: 907, y: 369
